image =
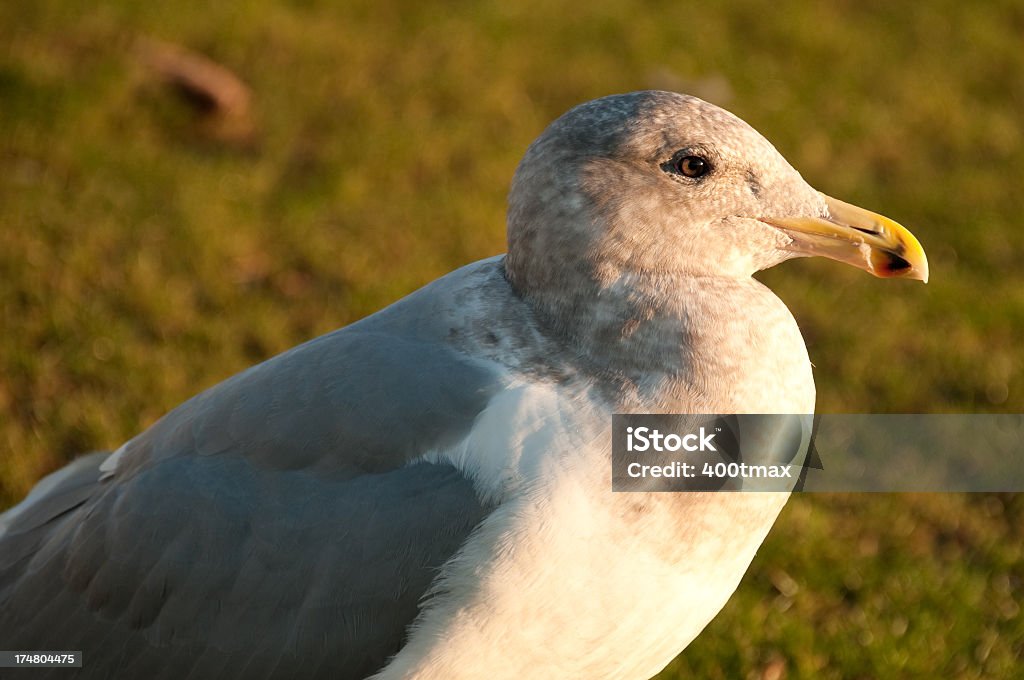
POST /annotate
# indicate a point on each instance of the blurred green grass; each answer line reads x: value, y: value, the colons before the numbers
x: 142, y: 261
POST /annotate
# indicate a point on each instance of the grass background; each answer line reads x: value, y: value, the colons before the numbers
x: 142, y: 259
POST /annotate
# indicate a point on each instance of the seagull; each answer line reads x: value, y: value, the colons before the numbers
x: 426, y: 494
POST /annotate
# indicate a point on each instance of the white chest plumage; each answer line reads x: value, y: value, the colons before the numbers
x: 566, y: 575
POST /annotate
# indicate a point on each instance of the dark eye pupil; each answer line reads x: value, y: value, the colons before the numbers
x: 693, y: 166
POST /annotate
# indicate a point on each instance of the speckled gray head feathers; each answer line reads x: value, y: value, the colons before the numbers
x: 598, y: 197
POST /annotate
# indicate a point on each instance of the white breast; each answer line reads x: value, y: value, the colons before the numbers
x: 568, y: 579
x: 565, y: 575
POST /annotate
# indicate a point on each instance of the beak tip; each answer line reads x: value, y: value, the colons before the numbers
x: 920, y: 269
x: 890, y: 265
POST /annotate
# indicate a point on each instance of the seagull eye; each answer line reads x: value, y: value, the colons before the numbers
x: 692, y: 166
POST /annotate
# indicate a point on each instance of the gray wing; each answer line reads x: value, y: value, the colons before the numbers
x: 274, y: 526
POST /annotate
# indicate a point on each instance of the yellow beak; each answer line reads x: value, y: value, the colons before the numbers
x: 858, y: 237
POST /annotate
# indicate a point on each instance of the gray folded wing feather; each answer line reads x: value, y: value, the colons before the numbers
x: 277, y: 525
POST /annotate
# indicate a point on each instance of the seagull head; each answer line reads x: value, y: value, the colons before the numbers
x: 665, y: 185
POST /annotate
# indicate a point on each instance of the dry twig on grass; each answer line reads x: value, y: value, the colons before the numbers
x: 221, y: 99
